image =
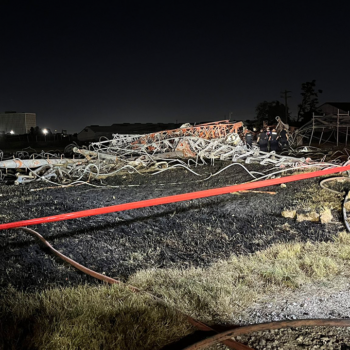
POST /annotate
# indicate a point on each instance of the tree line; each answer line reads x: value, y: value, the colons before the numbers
x: 269, y: 110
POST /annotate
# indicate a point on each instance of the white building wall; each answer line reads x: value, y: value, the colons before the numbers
x: 30, y: 120
x: 20, y: 123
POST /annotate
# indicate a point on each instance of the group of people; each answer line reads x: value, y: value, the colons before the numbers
x: 268, y: 140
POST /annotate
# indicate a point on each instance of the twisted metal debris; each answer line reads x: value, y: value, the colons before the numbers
x: 185, y: 147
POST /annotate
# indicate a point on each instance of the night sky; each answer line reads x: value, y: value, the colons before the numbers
x: 166, y: 61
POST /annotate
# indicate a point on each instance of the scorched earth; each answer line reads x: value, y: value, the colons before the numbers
x: 192, y: 233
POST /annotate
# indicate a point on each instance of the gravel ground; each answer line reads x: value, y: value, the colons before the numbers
x: 320, y: 300
x: 195, y: 233
x: 299, y: 338
x: 330, y: 300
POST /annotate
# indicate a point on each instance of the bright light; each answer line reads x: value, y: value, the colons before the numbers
x: 12, y: 132
x: 45, y: 131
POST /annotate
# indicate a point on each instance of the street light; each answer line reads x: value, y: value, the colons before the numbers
x: 12, y: 132
x: 45, y: 133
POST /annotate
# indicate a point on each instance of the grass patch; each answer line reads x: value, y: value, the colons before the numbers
x: 106, y: 317
x: 317, y: 199
x: 112, y: 317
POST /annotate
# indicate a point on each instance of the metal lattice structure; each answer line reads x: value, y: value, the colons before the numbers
x: 333, y: 124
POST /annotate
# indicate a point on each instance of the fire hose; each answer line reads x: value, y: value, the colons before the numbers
x: 200, y: 325
x: 222, y: 337
x: 203, y: 344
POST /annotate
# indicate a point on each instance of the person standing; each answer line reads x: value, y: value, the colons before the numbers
x: 262, y: 141
x: 249, y: 139
x: 283, y: 138
x: 273, y: 140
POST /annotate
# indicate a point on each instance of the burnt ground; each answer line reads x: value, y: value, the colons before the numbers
x: 192, y: 233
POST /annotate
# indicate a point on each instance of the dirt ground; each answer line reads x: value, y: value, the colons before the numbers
x: 192, y: 233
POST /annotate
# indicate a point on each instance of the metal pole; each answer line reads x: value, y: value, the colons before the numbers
x: 347, y: 128
x: 312, y: 133
x: 313, y: 127
x: 285, y: 93
x: 321, y: 136
x: 338, y: 129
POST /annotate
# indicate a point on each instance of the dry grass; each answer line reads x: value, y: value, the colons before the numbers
x: 219, y: 293
x: 106, y: 317
x: 317, y: 199
x: 111, y: 317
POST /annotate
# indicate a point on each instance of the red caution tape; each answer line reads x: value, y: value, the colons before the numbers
x: 173, y: 199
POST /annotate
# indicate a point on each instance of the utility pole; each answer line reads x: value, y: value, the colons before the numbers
x: 286, y: 97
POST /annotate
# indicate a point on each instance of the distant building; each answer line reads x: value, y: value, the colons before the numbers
x: 17, y: 123
x: 94, y: 132
x: 333, y: 107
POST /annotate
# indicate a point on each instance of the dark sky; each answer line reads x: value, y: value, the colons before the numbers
x: 108, y: 62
